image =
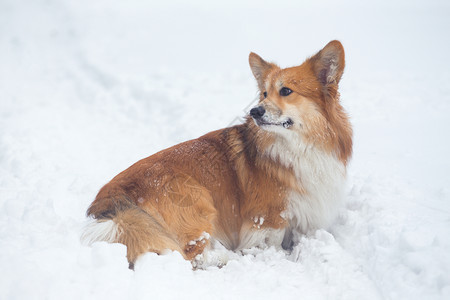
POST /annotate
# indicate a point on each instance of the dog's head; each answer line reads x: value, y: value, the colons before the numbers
x: 303, y: 100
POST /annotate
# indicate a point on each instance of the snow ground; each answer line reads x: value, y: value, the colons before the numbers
x: 88, y: 88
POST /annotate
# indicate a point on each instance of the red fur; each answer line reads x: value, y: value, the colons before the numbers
x: 221, y: 181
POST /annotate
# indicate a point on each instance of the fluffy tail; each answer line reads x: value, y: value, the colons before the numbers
x: 121, y: 221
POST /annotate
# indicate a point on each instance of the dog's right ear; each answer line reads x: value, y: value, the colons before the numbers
x: 260, y: 68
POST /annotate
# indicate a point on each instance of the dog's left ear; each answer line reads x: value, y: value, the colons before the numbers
x: 329, y: 63
x: 260, y: 68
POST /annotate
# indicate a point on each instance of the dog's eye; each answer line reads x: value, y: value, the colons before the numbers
x: 265, y: 94
x: 285, y: 91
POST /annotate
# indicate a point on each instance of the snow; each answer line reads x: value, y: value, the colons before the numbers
x: 89, y: 87
x: 202, y: 239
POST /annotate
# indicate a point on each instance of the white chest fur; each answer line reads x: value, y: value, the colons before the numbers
x: 322, y: 177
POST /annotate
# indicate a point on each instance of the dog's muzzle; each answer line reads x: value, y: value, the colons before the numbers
x: 257, y: 113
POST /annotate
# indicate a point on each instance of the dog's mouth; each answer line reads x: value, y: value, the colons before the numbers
x: 286, y: 124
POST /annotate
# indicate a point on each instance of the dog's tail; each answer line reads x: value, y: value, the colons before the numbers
x: 119, y: 220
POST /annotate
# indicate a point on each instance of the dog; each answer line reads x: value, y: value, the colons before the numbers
x: 262, y: 183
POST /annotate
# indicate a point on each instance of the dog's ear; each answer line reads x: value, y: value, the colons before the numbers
x: 329, y: 63
x: 260, y: 68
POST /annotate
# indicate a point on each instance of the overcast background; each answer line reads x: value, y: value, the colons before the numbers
x: 89, y: 87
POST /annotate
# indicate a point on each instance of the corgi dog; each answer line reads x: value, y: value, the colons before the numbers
x: 262, y: 183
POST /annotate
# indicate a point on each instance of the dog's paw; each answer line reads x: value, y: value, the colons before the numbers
x: 215, y: 256
x: 210, y: 259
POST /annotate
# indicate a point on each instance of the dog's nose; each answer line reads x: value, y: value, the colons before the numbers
x: 257, y: 112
